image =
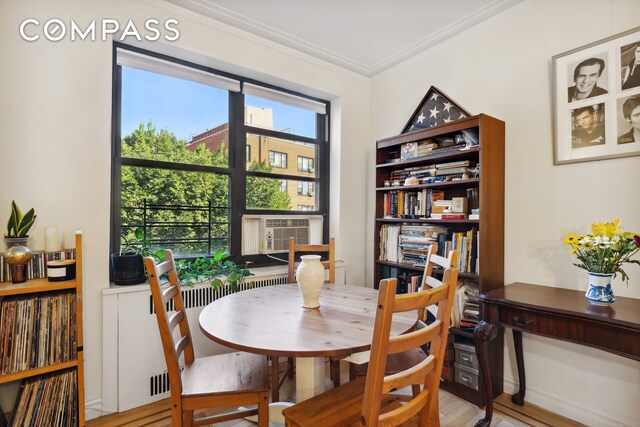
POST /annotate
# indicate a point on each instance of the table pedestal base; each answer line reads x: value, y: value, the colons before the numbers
x: 309, y: 377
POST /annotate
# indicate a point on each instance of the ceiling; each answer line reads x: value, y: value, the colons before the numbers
x: 365, y: 36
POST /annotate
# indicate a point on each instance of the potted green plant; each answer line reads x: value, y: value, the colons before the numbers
x: 218, y: 269
x: 127, y: 266
x: 18, y: 226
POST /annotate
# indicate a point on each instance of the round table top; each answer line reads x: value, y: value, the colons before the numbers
x: 270, y: 320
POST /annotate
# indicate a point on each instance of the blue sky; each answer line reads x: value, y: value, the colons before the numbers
x: 187, y: 108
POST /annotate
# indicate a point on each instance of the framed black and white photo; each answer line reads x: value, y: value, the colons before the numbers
x: 596, y: 91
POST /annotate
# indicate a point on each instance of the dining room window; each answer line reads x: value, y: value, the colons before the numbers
x: 196, y: 148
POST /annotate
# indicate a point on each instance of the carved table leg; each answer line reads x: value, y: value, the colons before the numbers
x: 485, y: 332
x: 518, y: 398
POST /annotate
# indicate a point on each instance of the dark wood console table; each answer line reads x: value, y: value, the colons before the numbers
x: 558, y: 313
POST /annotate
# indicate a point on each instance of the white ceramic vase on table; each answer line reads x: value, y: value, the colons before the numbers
x: 310, y: 278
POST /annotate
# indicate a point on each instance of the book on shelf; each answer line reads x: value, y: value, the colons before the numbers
x: 456, y: 164
x: 37, y: 267
x: 453, y: 215
x: 452, y: 171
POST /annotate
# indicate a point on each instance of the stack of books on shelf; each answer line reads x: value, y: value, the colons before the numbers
x: 37, y: 267
x: 466, y: 309
x: 417, y: 150
x: 49, y: 400
x: 457, y: 170
x: 408, y: 243
x: 37, y: 331
x: 454, y: 208
x: 414, y: 242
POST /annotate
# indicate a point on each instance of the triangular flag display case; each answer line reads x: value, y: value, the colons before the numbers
x: 435, y: 109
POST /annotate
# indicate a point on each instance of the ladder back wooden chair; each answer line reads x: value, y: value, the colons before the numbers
x: 328, y: 252
x: 225, y: 380
x: 368, y: 401
x: 397, y: 362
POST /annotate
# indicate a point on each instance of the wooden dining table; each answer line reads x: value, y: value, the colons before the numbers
x: 271, y: 320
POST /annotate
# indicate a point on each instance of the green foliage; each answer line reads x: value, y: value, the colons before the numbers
x: 264, y: 193
x: 174, y: 187
x: 140, y: 246
x: 217, y: 268
x: 19, y: 224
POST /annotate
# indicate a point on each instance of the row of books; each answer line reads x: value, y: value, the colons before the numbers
x: 49, y: 400
x: 37, y: 331
x: 410, y: 204
x: 37, y: 267
x: 409, y: 243
x: 430, y: 204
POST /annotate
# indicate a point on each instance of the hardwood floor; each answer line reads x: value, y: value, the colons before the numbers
x: 454, y: 412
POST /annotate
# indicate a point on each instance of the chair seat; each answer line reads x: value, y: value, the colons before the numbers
x: 338, y: 407
x: 223, y: 373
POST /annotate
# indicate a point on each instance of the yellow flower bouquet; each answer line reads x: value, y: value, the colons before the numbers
x: 606, y: 249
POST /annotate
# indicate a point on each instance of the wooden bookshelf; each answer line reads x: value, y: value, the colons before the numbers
x: 489, y: 187
x: 74, y: 364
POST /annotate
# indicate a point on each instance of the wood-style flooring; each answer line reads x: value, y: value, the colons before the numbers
x: 454, y: 412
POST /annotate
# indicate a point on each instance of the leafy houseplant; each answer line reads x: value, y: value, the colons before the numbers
x: 606, y: 249
x: 218, y: 269
x: 127, y: 266
x: 19, y: 224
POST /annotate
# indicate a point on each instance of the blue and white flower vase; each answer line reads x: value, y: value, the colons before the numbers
x: 600, y: 292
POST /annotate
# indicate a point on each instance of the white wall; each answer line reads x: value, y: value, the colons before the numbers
x: 504, y: 70
x: 55, y: 116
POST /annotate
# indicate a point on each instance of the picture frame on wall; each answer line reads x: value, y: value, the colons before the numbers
x: 596, y: 100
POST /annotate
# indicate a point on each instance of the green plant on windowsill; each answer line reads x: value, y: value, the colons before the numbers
x: 218, y: 269
x: 140, y: 247
x: 127, y: 265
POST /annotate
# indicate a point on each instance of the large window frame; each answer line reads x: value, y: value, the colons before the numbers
x: 236, y: 170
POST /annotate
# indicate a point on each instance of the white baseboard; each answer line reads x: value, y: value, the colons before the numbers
x: 569, y: 407
x: 93, y: 409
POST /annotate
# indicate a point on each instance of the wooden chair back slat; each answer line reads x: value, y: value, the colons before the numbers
x: 328, y: 264
x: 415, y: 338
x: 168, y: 294
x: 416, y: 300
x: 182, y: 344
x: 451, y: 260
x: 163, y: 267
x: 175, y: 319
x: 414, y: 375
x: 404, y: 413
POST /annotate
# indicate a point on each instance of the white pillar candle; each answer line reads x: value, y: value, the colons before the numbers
x: 53, y: 239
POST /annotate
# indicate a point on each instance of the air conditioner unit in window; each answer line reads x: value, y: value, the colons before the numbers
x: 268, y: 234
